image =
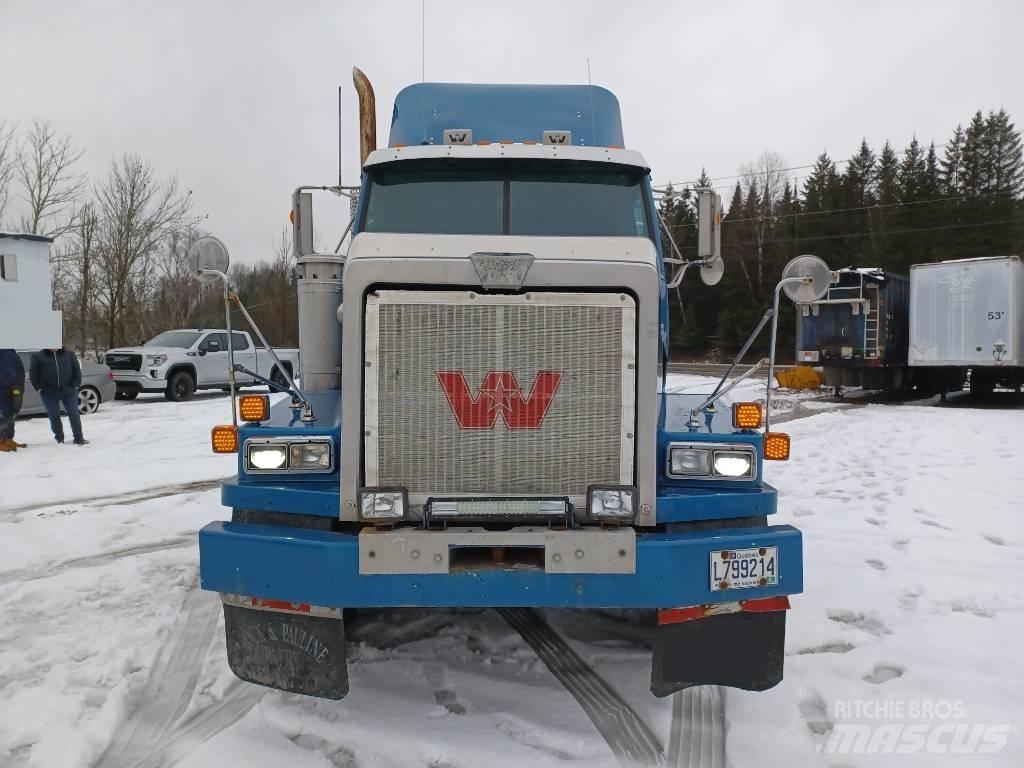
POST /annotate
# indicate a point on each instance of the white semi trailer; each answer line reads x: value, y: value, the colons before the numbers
x: 966, y: 316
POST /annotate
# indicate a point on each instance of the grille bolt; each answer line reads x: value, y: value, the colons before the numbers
x: 556, y: 557
x: 350, y: 504
x: 415, y: 554
x: 622, y: 553
x: 579, y: 554
x: 645, y: 509
x: 437, y: 558
x: 372, y: 554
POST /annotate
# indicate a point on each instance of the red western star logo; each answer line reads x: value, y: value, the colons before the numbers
x: 499, y: 394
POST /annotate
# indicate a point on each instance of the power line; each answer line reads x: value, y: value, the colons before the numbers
x: 813, y: 238
x: 786, y: 216
x: 695, y: 182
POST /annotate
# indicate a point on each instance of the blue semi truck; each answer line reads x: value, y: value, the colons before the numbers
x: 482, y: 419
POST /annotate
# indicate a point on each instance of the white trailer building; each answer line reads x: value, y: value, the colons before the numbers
x: 27, y: 317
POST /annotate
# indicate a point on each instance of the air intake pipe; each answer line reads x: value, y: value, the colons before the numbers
x: 367, y: 115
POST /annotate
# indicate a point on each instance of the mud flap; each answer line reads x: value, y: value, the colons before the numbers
x: 739, y: 650
x: 292, y: 652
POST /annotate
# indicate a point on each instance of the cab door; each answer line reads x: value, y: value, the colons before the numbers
x: 31, y: 402
x: 212, y: 362
x: 245, y: 355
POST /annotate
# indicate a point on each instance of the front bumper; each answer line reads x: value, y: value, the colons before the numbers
x: 146, y: 380
x: 323, y: 568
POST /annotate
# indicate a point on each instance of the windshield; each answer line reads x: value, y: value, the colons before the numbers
x: 183, y: 339
x: 524, y: 199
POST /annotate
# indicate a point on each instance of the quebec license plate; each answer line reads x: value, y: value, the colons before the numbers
x: 742, y: 568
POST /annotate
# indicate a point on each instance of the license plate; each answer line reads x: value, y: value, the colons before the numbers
x: 742, y: 568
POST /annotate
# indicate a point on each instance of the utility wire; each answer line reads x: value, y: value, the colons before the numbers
x: 812, y: 238
x: 783, y: 217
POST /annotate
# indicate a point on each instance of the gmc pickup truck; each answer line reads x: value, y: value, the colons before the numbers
x: 179, y: 362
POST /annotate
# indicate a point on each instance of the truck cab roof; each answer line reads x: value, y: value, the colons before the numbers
x: 505, y: 113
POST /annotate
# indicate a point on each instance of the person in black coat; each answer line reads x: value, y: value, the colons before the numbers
x: 57, y: 375
x: 12, y: 386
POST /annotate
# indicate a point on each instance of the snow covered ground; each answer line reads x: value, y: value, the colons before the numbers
x: 910, y: 626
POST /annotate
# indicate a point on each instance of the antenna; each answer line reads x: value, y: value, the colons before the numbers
x: 588, y: 72
x: 339, y: 137
x: 423, y: 41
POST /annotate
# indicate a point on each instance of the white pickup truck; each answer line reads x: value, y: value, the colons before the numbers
x: 179, y: 362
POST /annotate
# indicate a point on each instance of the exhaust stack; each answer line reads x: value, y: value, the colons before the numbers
x: 367, y: 115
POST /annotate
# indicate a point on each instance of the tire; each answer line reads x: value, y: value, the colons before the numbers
x: 126, y: 394
x: 88, y: 400
x: 278, y: 378
x: 180, y: 387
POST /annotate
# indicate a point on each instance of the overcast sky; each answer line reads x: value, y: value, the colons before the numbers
x: 238, y: 99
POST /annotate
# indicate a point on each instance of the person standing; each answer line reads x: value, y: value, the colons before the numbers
x: 57, y: 375
x: 12, y: 385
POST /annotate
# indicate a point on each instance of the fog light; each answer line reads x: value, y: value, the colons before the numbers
x: 310, y: 457
x: 734, y: 463
x: 689, y: 461
x: 613, y: 504
x: 383, y: 505
x: 266, y: 457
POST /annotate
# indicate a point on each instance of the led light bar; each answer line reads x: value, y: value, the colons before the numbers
x: 498, y: 510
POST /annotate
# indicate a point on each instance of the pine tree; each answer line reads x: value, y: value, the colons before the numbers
x: 952, y: 165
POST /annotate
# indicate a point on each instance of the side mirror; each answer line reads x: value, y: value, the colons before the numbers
x: 302, y: 223
x: 208, y: 253
x: 202, y: 351
x: 709, y: 225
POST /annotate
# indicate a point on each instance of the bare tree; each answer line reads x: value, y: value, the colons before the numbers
x: 137, y: 212
x: 766, y: 179
x: 8, y: 161
x: 177, y: 287
x: 85, y: 234
x: 51, y: 187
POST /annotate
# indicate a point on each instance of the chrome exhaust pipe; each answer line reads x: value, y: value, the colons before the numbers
x: 367, y: 115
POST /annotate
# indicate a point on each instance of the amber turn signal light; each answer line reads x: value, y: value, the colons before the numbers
x: 776, y: 446
x: 746, y: 415
x: 224, y: 438
x: 254, y: 407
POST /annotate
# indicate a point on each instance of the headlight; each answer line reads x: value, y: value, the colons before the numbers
x: 156, y: 359
x: 733, y: 463
x: 266, y: 457
x: 711, y: 461
x: 383, y: 505
x: 690, y: 461
x: 309, y: 457
x: 283, y: 455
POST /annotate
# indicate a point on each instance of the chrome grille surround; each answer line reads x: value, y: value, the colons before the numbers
x: 413, y: 436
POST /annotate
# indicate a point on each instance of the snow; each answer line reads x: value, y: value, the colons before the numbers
x: 109, y: 655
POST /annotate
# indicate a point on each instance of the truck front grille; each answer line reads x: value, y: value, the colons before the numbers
x: 476, y: 395
x: 123, y: 362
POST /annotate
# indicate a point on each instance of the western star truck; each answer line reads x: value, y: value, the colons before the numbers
x: 179, y: 362
x: 483, y: 419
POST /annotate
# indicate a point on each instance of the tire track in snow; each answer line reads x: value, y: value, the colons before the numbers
x: 120, y: 499
x: 94, y: 561
x: 697, y: 736
x: 171, y: 684
x: 628, y: 737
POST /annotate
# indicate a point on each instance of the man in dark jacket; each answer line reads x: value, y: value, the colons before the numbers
x: 12, y: 385
x: 57, y: 375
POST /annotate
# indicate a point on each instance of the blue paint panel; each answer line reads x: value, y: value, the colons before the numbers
x: 506, y: 112
x: 306, y: 498
x: 677, y: 504
x: 322, y: 568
